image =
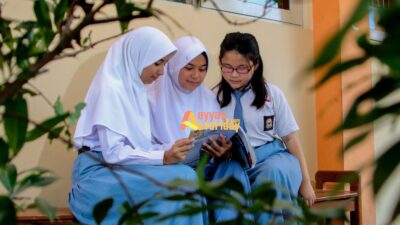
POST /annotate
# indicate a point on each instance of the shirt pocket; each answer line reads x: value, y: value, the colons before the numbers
x: 267, y: 117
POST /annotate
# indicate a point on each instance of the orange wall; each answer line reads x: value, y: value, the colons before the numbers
x: 334, y: 99
x: 329, y: 96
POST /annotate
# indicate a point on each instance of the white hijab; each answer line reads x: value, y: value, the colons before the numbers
x: 169, y: 100
x: 117, y: 96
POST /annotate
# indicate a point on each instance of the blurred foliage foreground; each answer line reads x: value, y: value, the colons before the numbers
x: 383, y: 94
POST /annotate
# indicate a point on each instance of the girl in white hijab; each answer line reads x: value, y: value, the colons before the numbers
x: 180, y: 90
x: 115, y: 127
x: 174, y: 94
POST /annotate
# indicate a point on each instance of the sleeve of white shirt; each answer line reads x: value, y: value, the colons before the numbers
x: 117, y: 150
x: 284, y: 119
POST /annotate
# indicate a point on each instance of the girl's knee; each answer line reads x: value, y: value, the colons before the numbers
x: 230, y: 169
x: 185, y: 172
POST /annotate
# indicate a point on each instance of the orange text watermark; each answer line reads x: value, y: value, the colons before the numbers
x: 209, y: 121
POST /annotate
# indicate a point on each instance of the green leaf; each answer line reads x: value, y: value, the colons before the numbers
x: 383, y: 88
x: 44, y: 21
x: 354, y: 119
x: 85, y: 41
x: 8, y: 214
x: 200, y: 169
x: 385, y: 166
x: 37, y: 177
x: 46, y: 208
x: 182, y: 183
x: 265, y: 192
x: 354, y: 141
x: 26, y: 26
x: 134, y: 219
x: 36, y: 170
x: 48, y: 36
x: 59, y: 11
x: 1, y: 59
x: 8, y: 176
x: 338, y: 68
x: 28, y: 91
x: 22, y: 55
x: 58, y: 107
x: 42, y: 14
x: 228, y: 184
x: 329, y: 52
x: 392, y: 59
x: 55, y: 133
x: 5, y: 32
x: 396, y: 212
x: 101, y: 209
x: 75, y: 115
x: 16, y: 123
x: 124, y: 10
x: 44, y: 127
x: 288, y: 206
x: 180, y: 197
x: 187, y: 210
x: 34, y: 180
x: 3, y: 152
x: 130, y: 214
x: 327, y: 213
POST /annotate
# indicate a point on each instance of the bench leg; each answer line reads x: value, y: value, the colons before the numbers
x: 355, y: 217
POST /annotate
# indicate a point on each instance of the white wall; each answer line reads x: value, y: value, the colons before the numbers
x: 386, y: 133
x: 286, y: 50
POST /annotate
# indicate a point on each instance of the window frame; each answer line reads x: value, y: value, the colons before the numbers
x: 294, y: 15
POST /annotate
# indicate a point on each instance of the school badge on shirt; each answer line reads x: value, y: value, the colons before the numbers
x: 268, y: 123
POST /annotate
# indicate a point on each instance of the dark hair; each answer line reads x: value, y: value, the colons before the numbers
x: 246, y: 44
x: 205, y: 56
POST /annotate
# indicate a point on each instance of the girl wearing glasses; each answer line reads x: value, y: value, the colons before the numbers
x: 266, y: 117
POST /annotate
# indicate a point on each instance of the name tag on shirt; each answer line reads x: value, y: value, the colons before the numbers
x: 268, y: 123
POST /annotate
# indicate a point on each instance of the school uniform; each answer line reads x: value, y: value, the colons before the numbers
x: 169, y: 102
x: 274, y: 162
x: 114, y: 128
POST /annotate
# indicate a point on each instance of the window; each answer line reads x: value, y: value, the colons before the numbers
x: 288, y: 11
x: 376, y: 33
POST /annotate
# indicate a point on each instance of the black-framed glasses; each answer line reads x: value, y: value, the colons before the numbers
x: 226, y: 68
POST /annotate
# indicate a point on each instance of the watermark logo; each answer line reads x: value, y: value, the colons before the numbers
x: 208, y: 121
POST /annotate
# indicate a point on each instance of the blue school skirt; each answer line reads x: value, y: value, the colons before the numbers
x: 92, y: 182
x: 215, y: 171
x: 276, y: 164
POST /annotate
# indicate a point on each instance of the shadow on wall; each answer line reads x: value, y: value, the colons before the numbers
x: 55, y: 156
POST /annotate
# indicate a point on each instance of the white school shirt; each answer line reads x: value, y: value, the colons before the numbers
x: 117, y: 149
x: 117, y: 100
x: 275, y: 117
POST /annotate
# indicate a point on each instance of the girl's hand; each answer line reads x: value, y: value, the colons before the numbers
x: 307, y: 192
x: 220, y: 149
x: 178, y: 151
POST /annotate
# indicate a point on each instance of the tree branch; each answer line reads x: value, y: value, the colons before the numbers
x: 123, y: 19
x: 73, y: 54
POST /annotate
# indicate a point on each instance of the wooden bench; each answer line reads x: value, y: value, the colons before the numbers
x: 348, y: 199
x: 326, y: 199
x: 35, y: 217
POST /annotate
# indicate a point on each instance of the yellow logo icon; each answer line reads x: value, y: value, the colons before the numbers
x: 189, y: 121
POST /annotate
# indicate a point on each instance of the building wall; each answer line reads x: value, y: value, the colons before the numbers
x: 286, y: 51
